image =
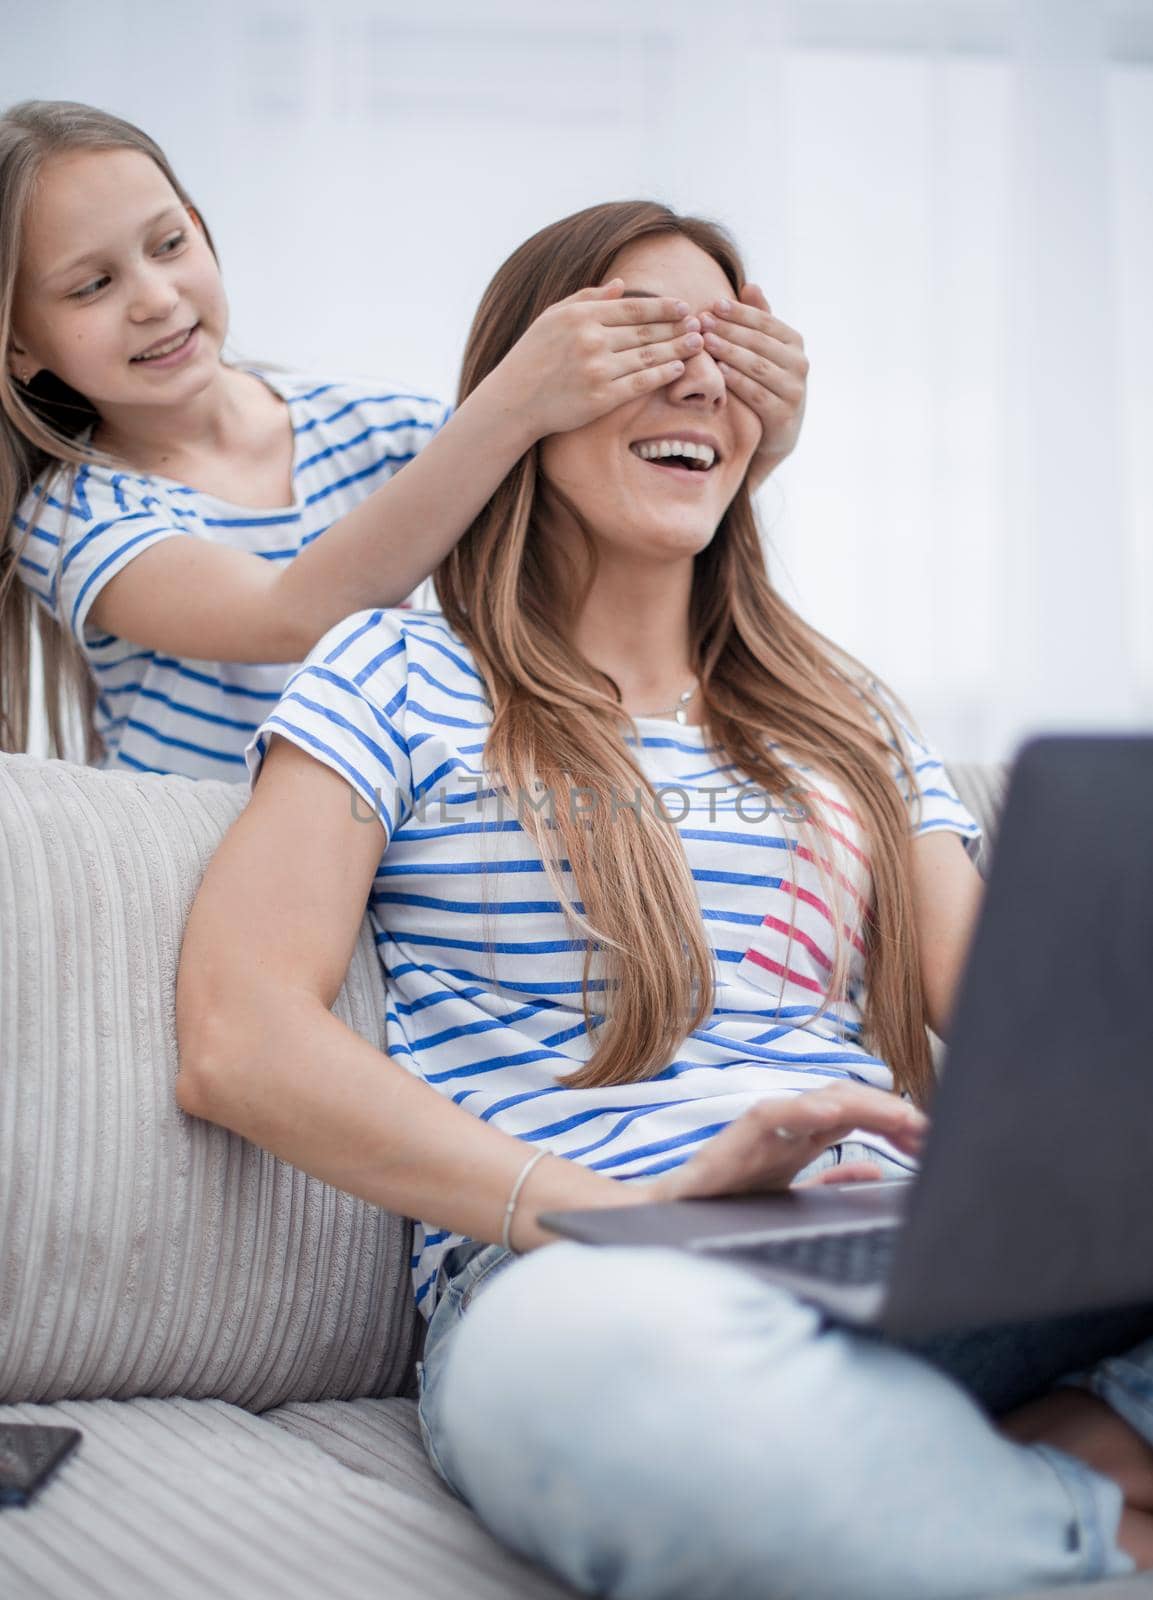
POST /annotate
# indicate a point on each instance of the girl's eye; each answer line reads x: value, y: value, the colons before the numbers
x: 89, y: 289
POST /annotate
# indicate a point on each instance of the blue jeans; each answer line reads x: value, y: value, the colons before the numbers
x: 652, y: 1425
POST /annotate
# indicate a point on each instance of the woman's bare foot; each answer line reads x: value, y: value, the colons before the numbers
x: 1084, y: 1426
x: 1135, y: 1536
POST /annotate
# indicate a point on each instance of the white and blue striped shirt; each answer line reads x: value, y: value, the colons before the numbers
x: 482, y: 972
x: 157, y: 713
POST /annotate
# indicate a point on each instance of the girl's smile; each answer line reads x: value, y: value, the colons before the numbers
x: 169, y: 352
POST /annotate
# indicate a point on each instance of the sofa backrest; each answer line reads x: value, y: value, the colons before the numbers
x: 981, y: 787
x: 144, y: 1252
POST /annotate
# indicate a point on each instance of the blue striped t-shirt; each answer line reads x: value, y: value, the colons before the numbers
x: 157, y: 713
x: 482, y: 972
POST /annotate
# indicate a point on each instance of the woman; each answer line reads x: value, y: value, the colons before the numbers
x: 636, y: 842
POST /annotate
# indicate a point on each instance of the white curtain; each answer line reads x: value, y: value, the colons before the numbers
x: 952, y: 202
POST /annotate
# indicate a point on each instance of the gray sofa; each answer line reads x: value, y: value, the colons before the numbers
x: 235, y: 1340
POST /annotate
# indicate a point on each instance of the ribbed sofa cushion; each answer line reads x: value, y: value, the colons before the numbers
x: 143, y: 1252
x: 199, y: 1500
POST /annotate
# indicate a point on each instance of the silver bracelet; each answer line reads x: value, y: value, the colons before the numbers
x: 505, y: 1236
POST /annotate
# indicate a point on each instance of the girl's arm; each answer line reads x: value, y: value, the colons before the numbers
x: 764, y: 364
x: 580, y: 359
x: 265, y: 952
x: 947, y: 895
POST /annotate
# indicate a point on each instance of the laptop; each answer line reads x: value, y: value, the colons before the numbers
x: 1034, y: 1198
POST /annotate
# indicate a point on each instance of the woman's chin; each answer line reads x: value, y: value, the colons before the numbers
x: 653, y: 556
x: 664, y: 545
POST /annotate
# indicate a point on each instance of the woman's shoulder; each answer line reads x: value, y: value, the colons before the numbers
x: 376, y: 649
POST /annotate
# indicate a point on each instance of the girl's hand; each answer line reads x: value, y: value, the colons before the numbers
x: 588, y: 354
x: 765, y: 365
x: 766, y: 1148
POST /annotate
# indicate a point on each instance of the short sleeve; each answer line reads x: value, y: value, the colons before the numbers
x: 78, y: 536
x: 933, y: 803
x: 428, y: 418
x: 345, y: 707
x: 423, y: 597
x: 406, y: 421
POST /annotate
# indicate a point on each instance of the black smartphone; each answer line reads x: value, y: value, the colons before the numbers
x: 29, y: 1455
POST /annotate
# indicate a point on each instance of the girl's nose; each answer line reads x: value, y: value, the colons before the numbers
x: 153, y: 295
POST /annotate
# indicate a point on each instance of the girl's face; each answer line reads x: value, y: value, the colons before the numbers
x: 633, y: 500
x: 113, y: 264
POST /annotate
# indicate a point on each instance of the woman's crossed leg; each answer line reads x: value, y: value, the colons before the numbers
x: 648, y: 1424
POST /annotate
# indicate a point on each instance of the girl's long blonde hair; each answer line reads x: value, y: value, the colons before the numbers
x: 40, y: 425
x: 764, y: 673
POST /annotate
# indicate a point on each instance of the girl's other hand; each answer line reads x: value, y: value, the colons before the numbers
x: 588, y: 354
x: 765, y: 365
x: 775, y: 1139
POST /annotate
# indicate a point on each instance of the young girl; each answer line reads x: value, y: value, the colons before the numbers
x: 614, y: 975
x: 215, y: 519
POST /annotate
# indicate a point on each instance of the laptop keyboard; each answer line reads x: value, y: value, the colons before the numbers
x: 856, y: 1256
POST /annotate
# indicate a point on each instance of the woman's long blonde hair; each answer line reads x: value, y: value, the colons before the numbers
x: 765, y: 674
x: 40, y: 425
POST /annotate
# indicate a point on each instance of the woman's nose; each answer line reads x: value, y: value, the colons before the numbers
x: 702, y: 381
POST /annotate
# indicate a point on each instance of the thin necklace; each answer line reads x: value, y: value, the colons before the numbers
x: 680, y: 711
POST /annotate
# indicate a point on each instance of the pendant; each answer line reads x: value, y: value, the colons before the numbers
x: 682, y: 715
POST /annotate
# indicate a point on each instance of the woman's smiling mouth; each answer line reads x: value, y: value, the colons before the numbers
x: 684, y: 456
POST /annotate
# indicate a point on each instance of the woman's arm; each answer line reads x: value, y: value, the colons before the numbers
x: 947, y: 895
x: 265, y: 952
x: 579, y: 359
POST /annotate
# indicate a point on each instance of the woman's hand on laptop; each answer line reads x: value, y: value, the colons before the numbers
x: 778, y: 1137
